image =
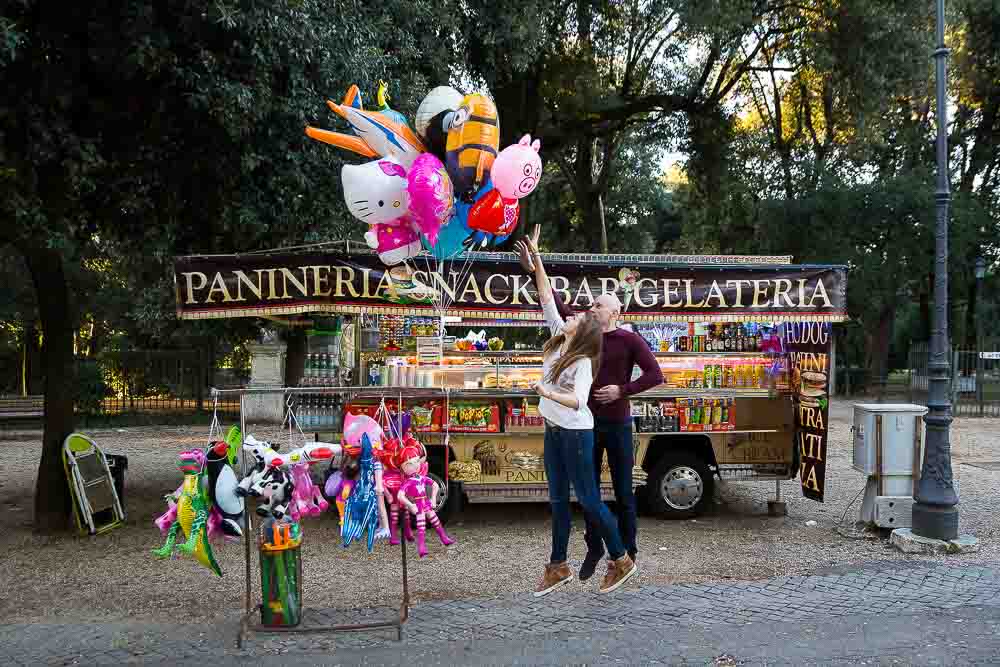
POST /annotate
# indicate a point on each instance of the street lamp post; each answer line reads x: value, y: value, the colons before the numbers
x: 980, y: 274
x: 935, y: 512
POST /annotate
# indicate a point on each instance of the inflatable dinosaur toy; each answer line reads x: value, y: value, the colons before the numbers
x: 192, y: 512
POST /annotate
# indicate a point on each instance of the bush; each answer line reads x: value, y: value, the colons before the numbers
x: 91, y: 387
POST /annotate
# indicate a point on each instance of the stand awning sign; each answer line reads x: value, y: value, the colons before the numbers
x: 495, y: 287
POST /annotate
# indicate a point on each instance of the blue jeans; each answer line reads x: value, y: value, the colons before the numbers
x: 569, y: 457
x: 615, y: 438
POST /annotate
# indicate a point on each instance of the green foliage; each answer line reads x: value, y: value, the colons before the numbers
x: 91, y: 387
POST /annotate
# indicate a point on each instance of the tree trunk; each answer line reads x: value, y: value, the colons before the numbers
x: 295, y: 356
x: 604, y: 225
x: 52, y: 498
x: 878, y: 347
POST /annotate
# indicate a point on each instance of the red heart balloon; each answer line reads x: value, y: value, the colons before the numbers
x: 491, y: 214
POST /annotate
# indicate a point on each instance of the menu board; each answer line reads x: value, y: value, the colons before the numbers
x: 809, y: 345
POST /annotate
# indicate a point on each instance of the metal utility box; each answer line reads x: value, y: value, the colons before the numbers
x: 888, y: 448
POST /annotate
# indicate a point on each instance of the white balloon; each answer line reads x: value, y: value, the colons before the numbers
x: 442, y: 98
x: 375, y: 192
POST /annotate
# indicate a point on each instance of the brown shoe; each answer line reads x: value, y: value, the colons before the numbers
x: 619, y: 571
x: 556, y: 575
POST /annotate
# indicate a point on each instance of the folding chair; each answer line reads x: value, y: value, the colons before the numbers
x: 96, y: 506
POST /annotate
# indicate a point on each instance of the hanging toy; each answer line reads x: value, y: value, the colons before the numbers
x: 306, y: 498
x: 413, y: 495
x: 340, y: 485
x: 382, y: 99
x: 375, y: 134
x: 515, y: 175
x: 392, y: 480
x: 275, y: 487
x: 223, y: 489
x: 364, y: 510
x: 191, y: 513
x: 357, y: 426
x: 472, y: 144
x: 261, y: 454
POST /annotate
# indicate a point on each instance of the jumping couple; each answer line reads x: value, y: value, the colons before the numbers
x: 586, y: 381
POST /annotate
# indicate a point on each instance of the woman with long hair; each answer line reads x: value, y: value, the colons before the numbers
x: 569, y: 363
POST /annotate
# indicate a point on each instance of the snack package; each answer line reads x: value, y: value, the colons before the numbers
x: 427, y: 418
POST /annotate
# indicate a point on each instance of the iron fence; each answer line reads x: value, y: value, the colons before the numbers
x: 154, y: 384
x: 975, y: 379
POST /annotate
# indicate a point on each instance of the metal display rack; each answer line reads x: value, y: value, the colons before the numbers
x: 250, y: 607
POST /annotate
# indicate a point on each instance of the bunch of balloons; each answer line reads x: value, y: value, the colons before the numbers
x: 446, y: 187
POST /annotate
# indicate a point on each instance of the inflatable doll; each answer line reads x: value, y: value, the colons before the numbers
x: 392, y: 481
x: 413, y: 495
x: 223, y: 491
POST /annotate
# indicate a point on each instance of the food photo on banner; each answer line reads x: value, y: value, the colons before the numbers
x: 809, y: 350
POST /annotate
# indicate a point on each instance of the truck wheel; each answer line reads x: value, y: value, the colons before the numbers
x: 680, y: 487
x: 449, y: 498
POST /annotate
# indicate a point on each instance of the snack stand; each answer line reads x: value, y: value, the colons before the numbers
x: 733, y: 336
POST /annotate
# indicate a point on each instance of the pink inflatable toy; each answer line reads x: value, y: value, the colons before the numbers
x: 357, y: 425
x: 432, y: 195
x: 394, y: 244
x: 517, y: 169
x: 418, y: 494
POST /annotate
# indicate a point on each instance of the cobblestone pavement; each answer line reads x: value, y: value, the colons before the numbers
x: 839, y: 616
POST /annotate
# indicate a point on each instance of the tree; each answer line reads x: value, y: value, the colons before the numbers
x: 141, y: 130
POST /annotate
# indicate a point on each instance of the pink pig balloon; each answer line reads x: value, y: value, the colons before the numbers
x: 517, y: 169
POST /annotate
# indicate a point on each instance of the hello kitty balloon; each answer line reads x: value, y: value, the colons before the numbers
x: 376, y: 192
x: 517, y: 169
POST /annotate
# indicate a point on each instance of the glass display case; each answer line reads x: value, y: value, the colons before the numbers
x: 724, y: 370
x: 516, y: 369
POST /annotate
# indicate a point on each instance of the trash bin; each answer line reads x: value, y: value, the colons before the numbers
x: 118, y: 464
x: 280, y: 573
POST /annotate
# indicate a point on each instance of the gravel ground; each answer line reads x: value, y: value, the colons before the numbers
x: 500, y: 548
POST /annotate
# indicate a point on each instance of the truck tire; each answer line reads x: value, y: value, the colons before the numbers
x: 680, y: 487
x: 449, y: 498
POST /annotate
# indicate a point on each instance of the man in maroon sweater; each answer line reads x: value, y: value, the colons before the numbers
x: 623, y: 351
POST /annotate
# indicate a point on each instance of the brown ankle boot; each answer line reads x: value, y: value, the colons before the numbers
x: 556, y: 575
x: 619, y: 571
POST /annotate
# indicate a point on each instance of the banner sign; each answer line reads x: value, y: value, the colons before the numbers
x: 809, y: 345
x: 495, y: 287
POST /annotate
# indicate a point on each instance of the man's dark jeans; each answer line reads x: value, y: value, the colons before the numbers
x: 615, y: 438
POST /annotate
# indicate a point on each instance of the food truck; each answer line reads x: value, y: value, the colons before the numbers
x: 744, y: 344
